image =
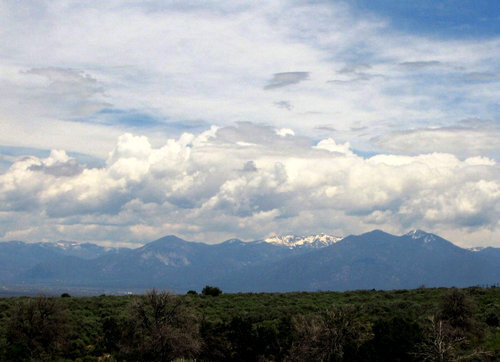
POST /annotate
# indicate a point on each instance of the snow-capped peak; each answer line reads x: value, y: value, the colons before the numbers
x: 477, y: 248
x: 419, y: 234
x: 312, y: 241
x: 64, y: 244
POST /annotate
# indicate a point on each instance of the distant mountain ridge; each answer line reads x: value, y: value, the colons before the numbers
x: 294, y: 241
x: 289, y: 263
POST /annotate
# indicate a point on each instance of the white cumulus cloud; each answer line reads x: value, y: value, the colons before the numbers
x: 209, y: 187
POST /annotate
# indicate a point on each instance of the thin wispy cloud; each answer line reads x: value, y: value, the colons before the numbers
x: 287, y: 78
x: 420, y: 64
x: 465, y: 139
x: 284, y: 104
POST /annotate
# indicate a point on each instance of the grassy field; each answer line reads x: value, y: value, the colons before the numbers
x: 256, y: 326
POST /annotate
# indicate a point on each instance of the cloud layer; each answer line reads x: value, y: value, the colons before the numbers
x: 326, y: 69
x: 328, y: 117
x: 247, y: 181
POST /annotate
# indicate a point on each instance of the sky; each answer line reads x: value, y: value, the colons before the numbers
x: 123, y: 121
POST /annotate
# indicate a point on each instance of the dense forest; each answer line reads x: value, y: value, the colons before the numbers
x: 431, y: 324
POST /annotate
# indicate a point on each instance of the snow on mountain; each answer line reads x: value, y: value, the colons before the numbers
x: 477, y: 248
x: 79, y: 249
x: 419, y: 234
x: 311, y: 241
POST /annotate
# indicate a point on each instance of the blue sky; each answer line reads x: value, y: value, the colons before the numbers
x: 457, y: 19
x: 123, y: 121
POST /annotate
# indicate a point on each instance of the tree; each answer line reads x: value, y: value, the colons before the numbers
x: 449, y: 333
x: 440, y: 344
x: 395, y: 339
x: 457, y: 311
x: 334, y: 335
x: 443, y: 344
x: 213, y: 291
x: 36, y: 329
x: 162, y: 328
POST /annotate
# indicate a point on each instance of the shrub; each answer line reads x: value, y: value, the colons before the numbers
x: 36, y: 329
x: 334, y: 335
x: 395, y: 339
x: 161, y: 328
x: 212, y: 291
x: 457, y: 310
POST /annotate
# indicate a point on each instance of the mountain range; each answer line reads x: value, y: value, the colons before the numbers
x: 281, y: 263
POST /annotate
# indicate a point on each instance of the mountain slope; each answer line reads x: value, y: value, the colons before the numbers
x: 372, y: 260
x: 169, y: 262
x: 382, y: 261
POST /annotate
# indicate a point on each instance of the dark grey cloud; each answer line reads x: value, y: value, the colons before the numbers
x: 249, y: 167
x: 284, y: 104
x: 250, y: 133
x: 470, y: 137
x: 358, y: 128
x: 354, y: 72
x: 58, y: 169
x: 70, y: 93
x: 287, y: 78
x: 358, y: 77
x: 482, y: 76
x: 420, y: 64
x: 67, y: 82
x: 354, y: 68
x: 326, y: 128
x: 190, y: 124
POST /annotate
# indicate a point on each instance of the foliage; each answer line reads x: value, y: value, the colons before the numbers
x: 213, y: 291
x: 334, y: 335
x: 36, y: 329
x: 434, y: 324
x: 395, y: 339
x: 161, y: 328
x: 456, y: 309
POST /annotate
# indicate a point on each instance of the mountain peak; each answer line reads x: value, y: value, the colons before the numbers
x: 417, y: 234
x: 233, y: 241
x: 65, y: 244
x: 376, y: 232
x: 313, y: 241
x: 168, y: 238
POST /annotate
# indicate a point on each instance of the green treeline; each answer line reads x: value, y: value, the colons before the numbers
x: 435, y: 324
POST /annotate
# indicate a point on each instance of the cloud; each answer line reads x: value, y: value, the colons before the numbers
x: 228, y: 182
x: 137, y: 62
x: 419, y: 64
x: 354, y: 68
x: 326, y: 128
x: 482, y: 76
x: 65, y: 92
x: 284, y: 104
x: 249, y: 167
x: 70, y: 82
x: 287, y: 78
x: 58, y: 164
x: 283, y: 132
x: 465, y: 139
x: 354, y: 73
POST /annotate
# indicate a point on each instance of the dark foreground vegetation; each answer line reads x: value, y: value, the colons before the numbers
x: 401, y: 325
